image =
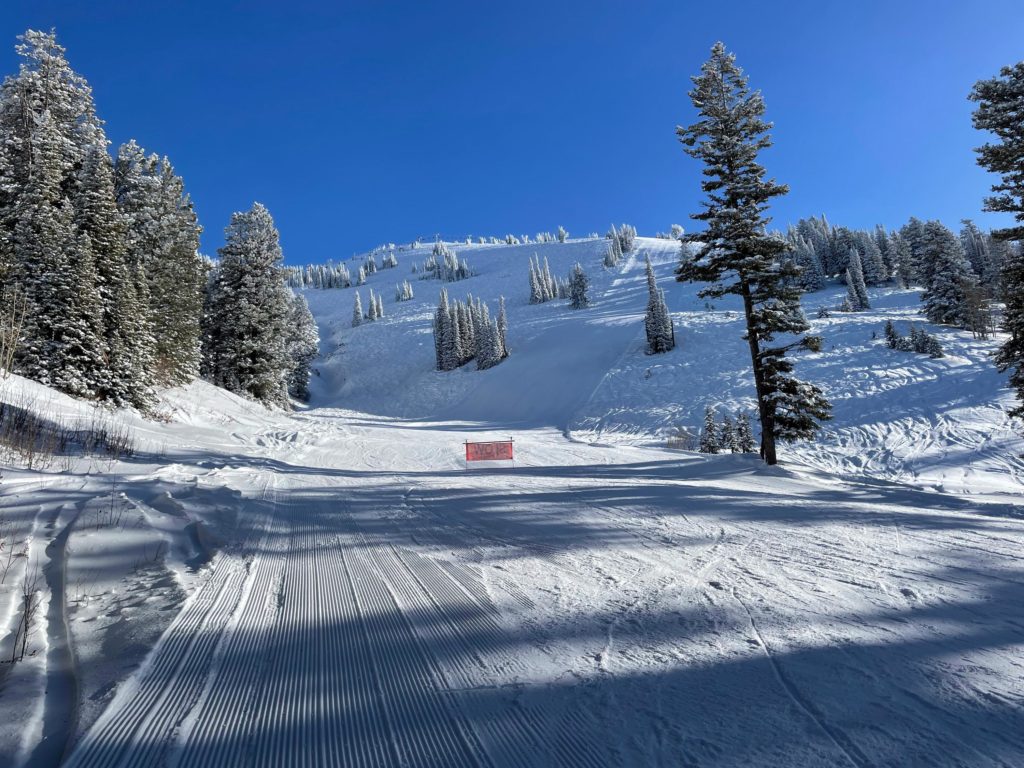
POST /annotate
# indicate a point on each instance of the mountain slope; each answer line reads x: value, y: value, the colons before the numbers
x: 900, y: 416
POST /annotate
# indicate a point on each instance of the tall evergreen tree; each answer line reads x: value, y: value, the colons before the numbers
x: 945, y: 296
x: 744, y: 436
x: 736, y: 255
x: 578, y: 287
x: 661, y: 335
x: 1000, y: 109
x: 302, y: 346
x: 709, y: 439
x: 357, y: 311
x: 62, y: 335
x: 248, y: 312
x: 123, y: 292
x: 502, y: 328
x: 163, y: 243
x: 855, y: 283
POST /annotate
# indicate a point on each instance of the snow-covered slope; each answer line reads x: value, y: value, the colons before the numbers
x: 332, y: 586
x: 900, y: 416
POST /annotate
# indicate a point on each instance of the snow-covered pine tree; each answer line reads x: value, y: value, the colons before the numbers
x: 627, y: 238
x: 709, y: 441
x: 123, y: 288
x: 999, y: 102
x: 855, y: 280
x: 975, y: 247
x: 578, y: 287
x: 945, y: 295
x: 903, y: 260
x: 380, y: 306
x: 536, y: 293
x: 919, y: 269
x: 727, y: 435
x: 657, y: 321
x: 302, y: 345
x: 248, y: 309
x: 1010, y: 356
x: 881, y: 238
x: 163, y: 237
x: 744, y: 435
x: 548, y: 282
x: 736, y: 255
x: 371, y: 312
x: 486, y: 347
x: 872, y: 263
x: 361, y: 278
x: 62, y: 343
x: 812, y: 275
x: 562, y: 234
x: 502, y: 324
x: 892, y: 336
x: 610, y: 260
x: 442, y: 332
x: 614, y: 255
x: 357, y: 311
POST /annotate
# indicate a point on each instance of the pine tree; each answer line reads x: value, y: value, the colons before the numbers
x: 744, y: 436
x: 550, y: 290
x: 502, y: 323
x: 162, y: 240
x: 536, y: 294
x: 892, y: 336
x: 380, y: 306
x: 442, y: 332
x: 657, y: 321
x: 709, y: 440
x: 727, y: 435
x: 918, y: 270
x: 357, y: 311
x: 77, y: 255
x: 999, y: 101
x: 123, y: 291
x: 812, y: 276
x: 578, y: 287
x: 1010, y: 356
x: 856, y: 288
x: 736, y: 255
x: 303, y: 345
x: 248, y: 309
x: 945, y: 296
x: 62, y: 335
x: 903, y: 260
x: 562, y: 234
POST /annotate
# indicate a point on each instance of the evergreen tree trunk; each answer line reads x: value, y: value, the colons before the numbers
x: 764, y: 410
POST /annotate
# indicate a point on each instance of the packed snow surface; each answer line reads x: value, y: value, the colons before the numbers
x: 334, y: 587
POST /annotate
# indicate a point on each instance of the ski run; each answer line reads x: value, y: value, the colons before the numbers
x: 332, y: 586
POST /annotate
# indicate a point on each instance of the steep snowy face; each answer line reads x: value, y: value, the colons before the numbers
x: 897, y: 415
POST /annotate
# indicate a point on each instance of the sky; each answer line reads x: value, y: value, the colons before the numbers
x: 360, y: 123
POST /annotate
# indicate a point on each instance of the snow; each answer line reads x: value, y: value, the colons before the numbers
x: 331, y: 586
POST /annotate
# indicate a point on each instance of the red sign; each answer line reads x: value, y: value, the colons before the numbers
x: 489, y: 451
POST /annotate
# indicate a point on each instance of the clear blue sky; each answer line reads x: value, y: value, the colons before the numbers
x: 357, y: 123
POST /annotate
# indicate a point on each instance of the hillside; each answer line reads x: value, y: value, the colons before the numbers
x: 898, y: 416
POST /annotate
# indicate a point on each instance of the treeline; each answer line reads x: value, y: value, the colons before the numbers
x: 960, y: 272
x: 103, y: 292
